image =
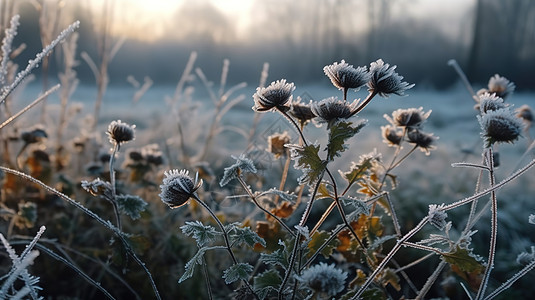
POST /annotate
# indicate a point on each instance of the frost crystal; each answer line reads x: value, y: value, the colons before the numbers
x: 489, y: 102
x: 422, y: 139
x: 276, y: 95
x: 325, y: 279
x: 242, y: 164
x: 500, y: 86
x: 531, y: 219
x: 385, y: 81
x: 344, y: 76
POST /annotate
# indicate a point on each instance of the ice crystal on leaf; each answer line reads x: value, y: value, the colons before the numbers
x: 242, y: 165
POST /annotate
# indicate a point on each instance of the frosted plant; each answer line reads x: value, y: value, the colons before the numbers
x: 331, y: 109
x: 489, y: 102
x: 425, y: 141
x: 409, y: 117
x: 301, y: 111
x: 345, y: 76
x: 7, y: 44
x: 120, y: 132
x: 178, y: 187
x: 385, y: 81
x: 242, y: 165
x: 500, y: 126
x: 276, y: 143
x: 324, y: 279
x: 275, y: 96
x: 437, y: 217
x: 500, y: 86
x: 391, y: 135
x: 19, y: 271
x: 525, y: 113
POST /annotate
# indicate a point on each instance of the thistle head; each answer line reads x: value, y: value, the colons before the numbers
x: 344, y: 76
x: 392, y: 136
x: 489, y: 102
x: 500, y: 126
x: 331, y: 110
x: 410, y: 117
x: 301, y: 111
x: 120, y: 132
x: 385, y: 81
x: 425, y: 141
x: 525, y: 113
x: 178, y: 187
x: 324, y: 279
x: 437, y: 216
x: 276, y: 95
x: 500, y: 86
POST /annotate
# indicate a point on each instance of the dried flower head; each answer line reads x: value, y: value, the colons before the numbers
x: 301, y: 111
x: 276, y: 95
x: 392, y: 136
x: 385, y: 81
x: 331, y: 110
x: 276, y: 143
x: 325, y: 279
x: 34, y: 135
x: 120, y: 132
x: 178, y: 187
x: 344, y: 76
x: 488, y: 102
x: 422, y: 139
x: 410, y: 117
x: 525, y: 113
x: 242, y: 165
x: 97, y: 187
x: 500, y: 126
x: 152, y: 154
x: 437, y: 217
x: 500, y: 86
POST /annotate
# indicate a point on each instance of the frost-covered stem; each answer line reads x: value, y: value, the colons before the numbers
x: 473, y: 205
x: 419, y: 260
x: 453, y: 63
x: 262, y: 83
x: 113, y: 199
x: 431, y: 280
x: 32, y: 64
x: 285, y: 114
x: 494, y: 228
x: 290, y: 266
x: 404, y: 157
x: 364, y: 103
x: 91, y: 214
x: 284, y: 175
x: 207, y: 279
x: 512, y: 280
x: 29, y: 106
x: 7, y: 44
x: 345, y: 93
x: 225, y: 237
x: 489, y: 189
x: 253, y: 197
x: 343, y: 214
x: 389, y: 256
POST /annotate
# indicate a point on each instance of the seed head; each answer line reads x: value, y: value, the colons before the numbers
x: 391, y: 135
x: 422, y: 139
x: 500, y: 126
x: 437, y: 217
x: 120, y: 132
x: 525, y: 113
x: 489, y: 102
x: 324, y: 279
x: 178, y: 188
x: 500, y: 86
x: 34, y: 135
x: 301, y: 111
x: 410, y: 117
x: 276, y: 95
x: 331, y: 110
x: 344, y: 76
x: 385, y: 81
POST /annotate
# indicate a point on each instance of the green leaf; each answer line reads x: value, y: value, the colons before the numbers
x: 285, y: 196
x: 266, y: 282
x: 464, y: 259
x: 247, y: 236
x: 318, y: 238
x: 307, y: 159
x: 239, y: 271
x: 338, y: 134
x: 203, y: 234
x: 358, y: 170
x: 197, y: 259
x: 278, y: 257
x: 131, y: 205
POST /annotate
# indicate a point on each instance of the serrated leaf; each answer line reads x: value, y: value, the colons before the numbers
x: 278, y: 257
x: 282, y: 195
x: 338, y: 134
x: 318, y: 238
x: 239, y: 271
x: 246, y: 236
x: 307, y: 159
x: 388, y: 276
x: 266, y: 282
x: 464, y: 259
x: 358, y: 170
x: 323, y: 192
x: 190, y: 265
x: 131, y: 205
x: 203, y: 234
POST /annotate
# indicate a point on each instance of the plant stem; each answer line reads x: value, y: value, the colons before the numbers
x: 364, y: 103
x: 297, y: 127
x: 113, y: 199
x: 225, y: 237
x: 431, y: 280
x: 494, y: 228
